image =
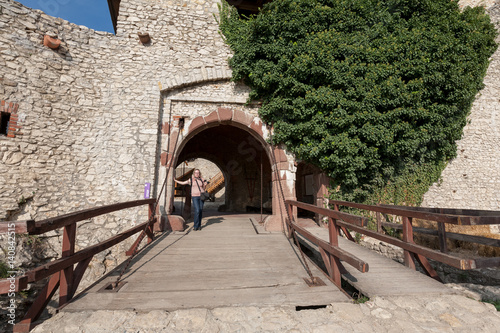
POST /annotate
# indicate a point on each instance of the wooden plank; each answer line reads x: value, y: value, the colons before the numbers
x: 386, y: 277
x: 20, y: 283
x: 203, y: 269
x: 335, y: 251
x: 62, y: 263
x: 461, y: 237
x: 463, y: 216
x: 401, y: 211
x: 19, y: 227
x: 357, y: 220
x: 63, y: 220
x: 422, y: 250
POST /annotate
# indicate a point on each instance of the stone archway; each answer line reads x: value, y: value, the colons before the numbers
x: 237, y: 140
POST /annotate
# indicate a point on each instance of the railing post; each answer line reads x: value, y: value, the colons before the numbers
x: 379, y: 222
x: 442, y: 237
x: 289, y: 209
x: 333, y: 232
x: 408, y: 237
x: 151, y: 215
x: 68, y: 249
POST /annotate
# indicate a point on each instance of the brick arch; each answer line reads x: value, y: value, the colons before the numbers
x: 254, y: 127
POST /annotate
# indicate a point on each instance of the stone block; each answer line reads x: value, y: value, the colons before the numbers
x: 225, y: 114
x: 196, y: 123
x: 243, y: 118
x: 176, y: 222
x: 212, y: 118
x: 257, y: 127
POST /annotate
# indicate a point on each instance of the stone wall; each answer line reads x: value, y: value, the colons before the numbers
x: 472, y: 179
x: 90, y: 111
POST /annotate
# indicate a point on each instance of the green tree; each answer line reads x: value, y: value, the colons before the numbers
x: 367, y: 90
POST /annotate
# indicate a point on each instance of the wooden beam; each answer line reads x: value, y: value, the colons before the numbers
x: 64, y: 220
x: 357, y: 220
x: 461, y: 263
x: 19, y: 227
x: 60, y: 264
x: 461, y: 237
x: 343, y: 255
x: 19, y: 283
x: 44, y: 297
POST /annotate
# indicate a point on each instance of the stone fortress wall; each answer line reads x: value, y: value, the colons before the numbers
x: 472, y: 179
x: 92, y: 121
x: 90, y: 114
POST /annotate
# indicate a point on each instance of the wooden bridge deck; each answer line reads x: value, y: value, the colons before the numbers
x: 225, y: 264
x: 385, y: 277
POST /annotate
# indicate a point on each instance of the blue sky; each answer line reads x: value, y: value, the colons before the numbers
x: 91, y: 13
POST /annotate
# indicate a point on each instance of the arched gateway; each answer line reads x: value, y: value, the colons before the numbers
x: 209, y: 118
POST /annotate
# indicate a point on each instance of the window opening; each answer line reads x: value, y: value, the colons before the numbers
x: 4, y: 123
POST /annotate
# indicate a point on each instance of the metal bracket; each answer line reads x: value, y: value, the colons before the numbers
x: 314, y: 282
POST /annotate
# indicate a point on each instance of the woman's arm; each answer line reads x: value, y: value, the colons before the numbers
x: 182, y: 183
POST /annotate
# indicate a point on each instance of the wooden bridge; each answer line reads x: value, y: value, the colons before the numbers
x: 233, y: 262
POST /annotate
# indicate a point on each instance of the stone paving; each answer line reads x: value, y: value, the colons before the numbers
x: 455, y: 313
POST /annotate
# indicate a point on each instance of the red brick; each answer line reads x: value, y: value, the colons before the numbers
x: 165, y: 158
x: 242, y: 118
x: 212, y: 118
x: 257, y: 127
x: 280, y: 155
x: 165, y: 128
x: 225, y: 114
x: 196, y: 123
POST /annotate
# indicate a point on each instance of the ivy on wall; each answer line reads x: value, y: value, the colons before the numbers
x: 373, y: 92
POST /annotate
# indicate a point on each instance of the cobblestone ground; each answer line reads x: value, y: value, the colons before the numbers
x: 395, y: 314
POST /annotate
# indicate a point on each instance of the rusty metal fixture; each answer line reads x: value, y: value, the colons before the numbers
x: 144, y: 38
x: 314, y: 282
x: 51, y: 41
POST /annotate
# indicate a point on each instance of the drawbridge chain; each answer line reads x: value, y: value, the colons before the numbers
x: 312, y: 281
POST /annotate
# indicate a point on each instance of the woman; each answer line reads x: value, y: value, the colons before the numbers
x: 197, y: 187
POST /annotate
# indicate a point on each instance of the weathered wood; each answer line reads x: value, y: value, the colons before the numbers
x: 62, y: 263
x: 463, y: 216
x: 20, y: 283
x: 424, y: 215
x: 63, y: 220
x: 36, y: 309
x: 335, y: 251
x: 442, y: 238
x: 427, y: 267
x: 408, y: 238
x: 461, y: 237
x: 78, y: 275
x: 20, y: 227
x: 225, y: 264
x: 68, y: 249
x: 464, y: 264
x: 357, y: 220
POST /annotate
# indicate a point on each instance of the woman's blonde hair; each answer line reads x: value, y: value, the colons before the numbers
x: 198, y: 171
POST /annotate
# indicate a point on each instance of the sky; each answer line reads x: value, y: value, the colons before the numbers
x: 90, y: 13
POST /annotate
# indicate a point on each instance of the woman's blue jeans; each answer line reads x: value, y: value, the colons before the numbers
x: 198, y: 209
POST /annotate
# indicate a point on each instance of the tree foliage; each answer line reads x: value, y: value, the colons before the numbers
x: 364, y: 89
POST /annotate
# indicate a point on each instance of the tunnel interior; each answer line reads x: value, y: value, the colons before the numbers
x: 243, y: 161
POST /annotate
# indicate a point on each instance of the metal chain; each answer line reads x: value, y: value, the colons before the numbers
x: 290, y: 218
x: 151, y: 218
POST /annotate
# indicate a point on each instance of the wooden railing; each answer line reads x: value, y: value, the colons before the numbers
x: 330, y: 251
x: 62, y: 273
x: 412, y: 252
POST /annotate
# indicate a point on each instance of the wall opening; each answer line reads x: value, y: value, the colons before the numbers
x: 242, y: 160
x: 4, y: 123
